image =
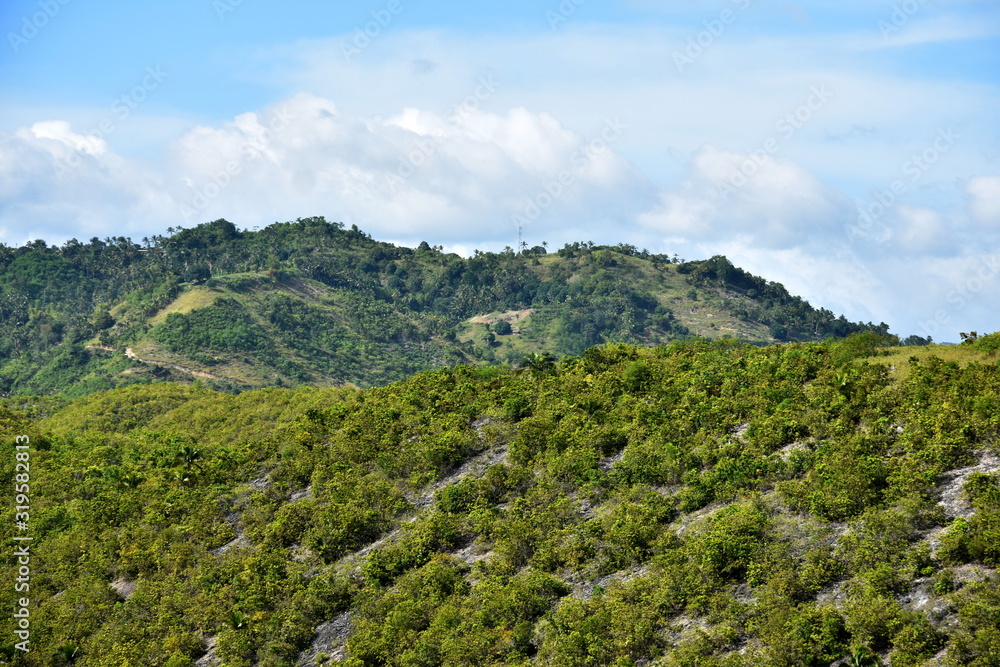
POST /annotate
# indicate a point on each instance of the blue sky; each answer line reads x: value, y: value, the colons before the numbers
x: 755, y: 129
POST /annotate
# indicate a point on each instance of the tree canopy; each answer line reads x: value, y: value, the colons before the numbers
x: 702, y: 502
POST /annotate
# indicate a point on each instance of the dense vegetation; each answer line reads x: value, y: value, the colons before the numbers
x: 699, y: 503
x: 311, y: 302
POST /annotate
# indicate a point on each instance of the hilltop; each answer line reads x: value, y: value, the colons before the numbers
x: 310, y: 302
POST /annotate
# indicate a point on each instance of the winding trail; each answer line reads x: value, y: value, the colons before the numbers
x: 130, y: 353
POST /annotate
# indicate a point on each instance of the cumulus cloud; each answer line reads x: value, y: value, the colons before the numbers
x: 920, y: 230
x: 776, y: 218
x: 415, y: 174
x: 60, y: 132
x: 53, y: 179
x: 770, y: 201
x: 985, y: 194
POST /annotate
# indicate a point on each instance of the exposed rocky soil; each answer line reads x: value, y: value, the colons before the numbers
x: 328, y: 644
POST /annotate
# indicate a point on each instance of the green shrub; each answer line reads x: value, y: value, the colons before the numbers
x: 808, y: 636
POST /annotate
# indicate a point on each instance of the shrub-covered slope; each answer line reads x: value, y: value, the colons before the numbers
x: 311, y: 302
x: 701, y: 503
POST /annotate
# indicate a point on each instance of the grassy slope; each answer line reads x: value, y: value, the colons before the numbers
x: 899, y: 358
x: 246, y: 370
x: 704, y: 315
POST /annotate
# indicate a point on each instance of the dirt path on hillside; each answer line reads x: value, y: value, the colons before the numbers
x: 130, y: 353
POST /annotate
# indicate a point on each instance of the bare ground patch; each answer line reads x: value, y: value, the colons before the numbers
x: 512, y: 316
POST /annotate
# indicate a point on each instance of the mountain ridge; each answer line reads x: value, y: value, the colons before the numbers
x: 312, y: 302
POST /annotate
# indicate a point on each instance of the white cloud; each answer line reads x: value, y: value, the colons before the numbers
x: 920, y: 230
x: 985, y: 194
x: 732, y: 96
x: 784, y: 223
x: 901, y: 29
x: 771, y: 201
x: 55, y: 183
x: 417, y: 174
x: 60, y: 131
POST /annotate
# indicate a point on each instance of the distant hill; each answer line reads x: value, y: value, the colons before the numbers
x: 312, y: 302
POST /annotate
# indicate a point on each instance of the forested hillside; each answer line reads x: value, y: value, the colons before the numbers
x: 311, y: 302
x: 699, y: 503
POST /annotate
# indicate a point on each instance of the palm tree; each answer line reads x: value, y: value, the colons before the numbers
x: 68, y: 653
x: 132, y: 480
x: 189, y: 456
x: 538, y: 363
x: 184, y: 477
x: 863, y: 657
x: 236, y: 620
